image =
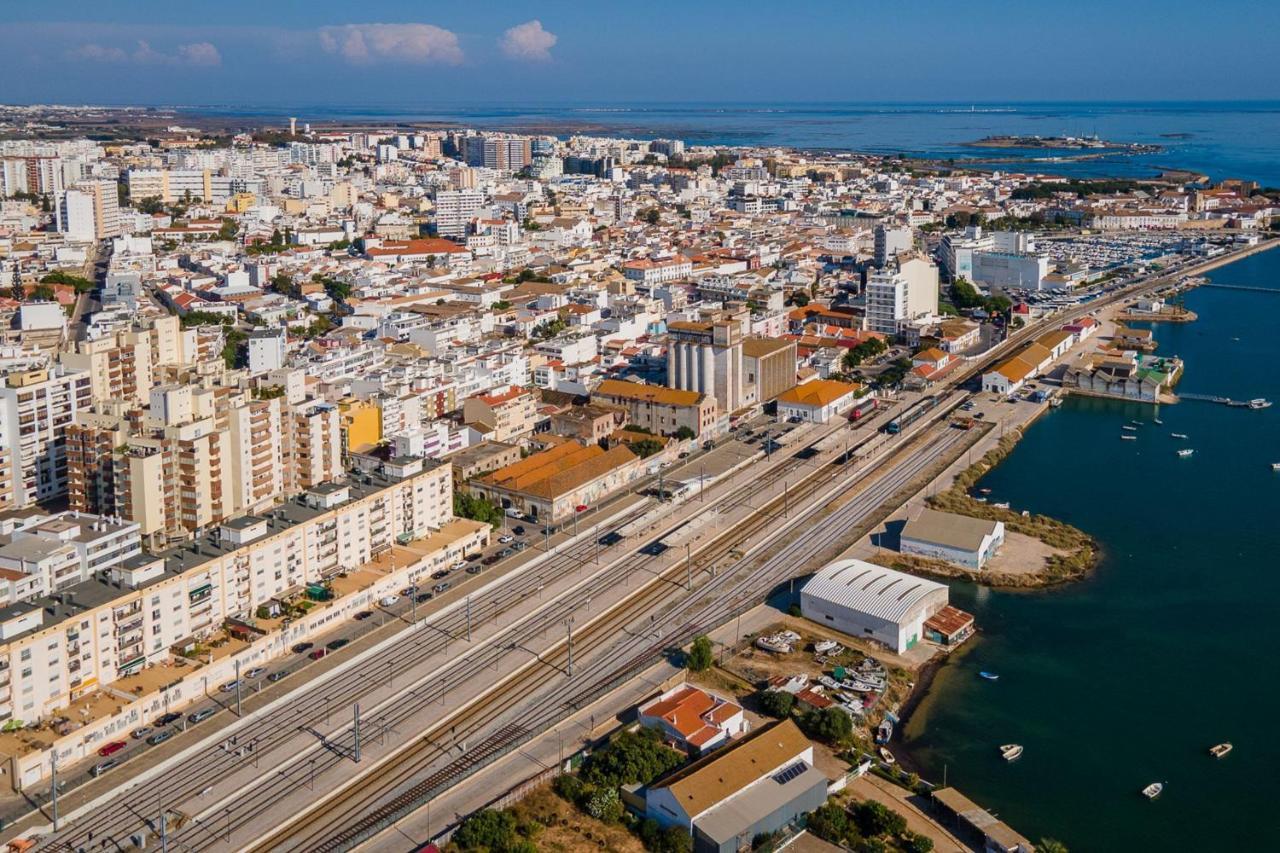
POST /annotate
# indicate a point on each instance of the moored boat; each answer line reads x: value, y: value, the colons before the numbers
x: 1010, y: 751
x: 1221, y: 750
x: 1129, y: 437
x: 1275, y: 466
x: 1153, y: 790
x: 885, y: 731
x: 1130, y: 428
x: 1259, y: 403
x: 1185, y: 452
x: 886, y: 755
x: 1177, y: 435
x: 989, y: 676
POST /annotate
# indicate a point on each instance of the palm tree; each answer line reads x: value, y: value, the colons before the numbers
x: 1050, y: 845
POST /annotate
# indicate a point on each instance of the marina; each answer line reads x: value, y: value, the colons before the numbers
x: 1163, y: 558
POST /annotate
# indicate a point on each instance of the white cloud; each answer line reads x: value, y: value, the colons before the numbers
x: 200, y: 53
x: 366, y: 43
x: 528, y: 41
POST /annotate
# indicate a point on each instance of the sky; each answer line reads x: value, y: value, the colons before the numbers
x: 277, y: 53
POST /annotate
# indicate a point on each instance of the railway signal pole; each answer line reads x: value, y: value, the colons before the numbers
x: 356, y: 729
x: 568, y: 625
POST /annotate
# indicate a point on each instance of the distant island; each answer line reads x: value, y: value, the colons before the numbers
x: 1063, y: 143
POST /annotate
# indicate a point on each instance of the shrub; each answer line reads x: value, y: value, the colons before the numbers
x: 488, y: 829
x: 831, y: 725
x: 873, y: 819
x: 777, y: 703
x: 701, y: 655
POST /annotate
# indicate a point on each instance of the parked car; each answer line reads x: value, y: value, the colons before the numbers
x: 334, y: 645
x: 443, y: 573
x: 504, y: 553
x: 277, y: 675
x: 584, y: 507
x: 166, y: 719
x: 256, y: 672
x: 506, y: 539
x: 441, y: 587
x: 474, y: 570
x: 406, y: 592
x: 519, y: 546
x: 388, y: 600
x: 518, y: 530
x: 230, y: 686
x: 363, y: 614
x: 103, y: 767
x: 490, y: 560
x: 299, y: 648
x: 201, y: 715
x: 112, y: 748
x: 139, y: 734
x: 317, y: 654
x: 160, y: 736
x: 423, y: 596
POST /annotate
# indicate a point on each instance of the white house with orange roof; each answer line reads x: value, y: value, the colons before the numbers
x: 694, y: 719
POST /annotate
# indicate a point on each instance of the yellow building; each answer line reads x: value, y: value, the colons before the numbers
x: 241, y: 202
x: 361, y: 425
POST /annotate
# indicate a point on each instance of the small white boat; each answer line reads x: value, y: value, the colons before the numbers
x: 1001, y: 505
x: 1010, y: 751
x: 1185, y: 452
x: 774, y: 644
x: 824, y: 646
x: 1177, y: 435
x: 1158, y: 422
x: 1129, y: 437
x: 1129, y: 428
x: 1259, y: 403
x: 1153, y: 790
x: 887, y: 756
x: 1221, y: 750
x: 1275, y: 466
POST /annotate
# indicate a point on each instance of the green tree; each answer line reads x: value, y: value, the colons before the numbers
x: 604, y: 805
x: 1050, y: 845
x: 630, y: 757
x: 476, y: 509
x: 489, y: 829
x: 800, y: 298
x: 914, y: 842
x: 645, y: 447
x: 652, y: 216
x: 777, y: 703
x: 80, y: 283
x: 43, y: 293
x: 701, y: 655
x: 875, y: 819
x: 684, y: 433
x: 829, y: 822
x: 228, y: 230
x: 964, y: 294
x: 831, y: 725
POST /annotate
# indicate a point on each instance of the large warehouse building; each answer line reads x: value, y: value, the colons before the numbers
x: 865, y: 600
x: 957, y: 539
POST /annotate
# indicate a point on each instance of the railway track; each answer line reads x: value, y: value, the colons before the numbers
x: 389, y: 792
x: 314, y: 707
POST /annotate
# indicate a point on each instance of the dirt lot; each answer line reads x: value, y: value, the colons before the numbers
x: 1022, y: 555
x: 570, y: 830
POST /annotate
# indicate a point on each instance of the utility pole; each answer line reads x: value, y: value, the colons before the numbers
x: 702, y: 480
x: 468, y: 618
x: 688, y: 565
x: 238, y: 687
x: 568, y: 624
x: 785, y: 499
x: 356, y: 729
x: 53, y: 772
x: 164, y: 832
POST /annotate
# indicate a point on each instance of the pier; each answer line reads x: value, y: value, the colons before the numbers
x: 1249, y: 287
x: 1226, y: 401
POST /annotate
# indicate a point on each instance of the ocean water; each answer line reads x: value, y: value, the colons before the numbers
x: 1221, y: 139
x: 1129, y: 677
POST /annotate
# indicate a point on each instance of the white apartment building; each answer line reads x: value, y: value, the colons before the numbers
x: 956, y: 251
x: 896, y: 296
x: 267, y: 349
x: 1010, y: 269
x: 50, y: 553
x: 92, y: 633
x: 889, y: 242
x: 36, y: 406
x: 75, y: 216
x: 455, y: 209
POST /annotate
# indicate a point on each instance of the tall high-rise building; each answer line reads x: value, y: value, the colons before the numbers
x: 506, y: 153
x: 90, y: 211
x: 455, y: 209
x: 36, y: 406
x: 889, y: 242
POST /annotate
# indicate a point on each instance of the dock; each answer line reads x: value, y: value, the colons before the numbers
x: 1226, y: 401
x: 1249, y: 287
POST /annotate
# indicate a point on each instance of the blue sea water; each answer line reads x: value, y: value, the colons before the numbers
x: 1129, y: 677
x: 1222, y: 139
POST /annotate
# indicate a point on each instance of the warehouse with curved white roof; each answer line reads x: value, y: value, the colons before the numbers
x: 865, y: 600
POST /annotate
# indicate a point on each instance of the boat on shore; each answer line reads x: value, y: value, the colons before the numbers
x: 887, y: 756
x: 1221, y: 750
x: 1153, y: 790
x: 989, y: 676
x: 885, y: 731
x: 1010, y: 751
